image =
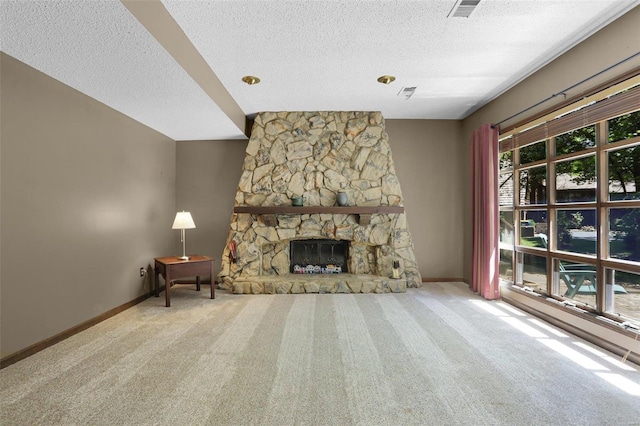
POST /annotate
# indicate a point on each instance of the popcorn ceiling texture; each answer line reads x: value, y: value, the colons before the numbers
x: 316, y: 155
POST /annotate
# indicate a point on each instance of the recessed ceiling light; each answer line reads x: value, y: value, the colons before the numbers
x: 386, y: 79
x: 250, y: 80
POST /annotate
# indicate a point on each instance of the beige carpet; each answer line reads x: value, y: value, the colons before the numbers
x: 436, y: 355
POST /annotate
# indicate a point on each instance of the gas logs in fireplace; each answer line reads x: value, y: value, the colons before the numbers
x: 318, y: 256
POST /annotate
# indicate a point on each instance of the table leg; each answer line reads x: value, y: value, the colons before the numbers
x: 167, y: 287
x: 157, y: 279
x: 213, y: 290
x: 197, y: 282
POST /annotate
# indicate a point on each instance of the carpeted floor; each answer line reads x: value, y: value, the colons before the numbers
x: 438, y: 355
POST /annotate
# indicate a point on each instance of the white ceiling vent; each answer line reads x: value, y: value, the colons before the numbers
x: 463, y: 8
x: 407, y: 92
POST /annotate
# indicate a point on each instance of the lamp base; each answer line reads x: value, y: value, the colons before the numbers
x: 183, y: 257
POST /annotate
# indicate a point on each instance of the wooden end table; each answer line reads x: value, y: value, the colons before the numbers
x: 172, y: 268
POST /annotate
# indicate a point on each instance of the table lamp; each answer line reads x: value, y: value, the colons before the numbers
x: 183, y: 221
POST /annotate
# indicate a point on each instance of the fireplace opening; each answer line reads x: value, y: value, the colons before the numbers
x: 318, y: 256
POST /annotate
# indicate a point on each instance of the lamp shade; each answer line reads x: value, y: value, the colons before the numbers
x: 183, y: 220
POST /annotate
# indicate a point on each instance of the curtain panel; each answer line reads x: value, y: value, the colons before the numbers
x: 485, y: 214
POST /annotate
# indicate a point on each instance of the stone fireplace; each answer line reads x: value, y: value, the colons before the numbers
x: 315, y: 155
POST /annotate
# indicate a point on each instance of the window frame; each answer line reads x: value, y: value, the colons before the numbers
x: 516, y: 139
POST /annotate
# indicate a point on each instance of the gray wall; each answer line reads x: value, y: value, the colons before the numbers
x: 207, y: 177
x: 427, y: 160
x: 88, y: 197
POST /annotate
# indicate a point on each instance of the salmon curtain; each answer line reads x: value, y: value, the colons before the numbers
x: 484, y: 176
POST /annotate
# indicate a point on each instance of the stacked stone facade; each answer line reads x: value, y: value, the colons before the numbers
x: 315, y: 155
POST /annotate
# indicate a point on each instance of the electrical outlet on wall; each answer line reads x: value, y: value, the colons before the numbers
x: 143, y: 272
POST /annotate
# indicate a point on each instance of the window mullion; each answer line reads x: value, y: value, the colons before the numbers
x: 551, y: 212
x: 602, y: 221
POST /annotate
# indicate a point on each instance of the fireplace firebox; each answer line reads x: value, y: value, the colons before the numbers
x: 318, y: 256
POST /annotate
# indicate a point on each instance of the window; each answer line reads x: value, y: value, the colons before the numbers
x: 533, y: 185
x: 534, y: 271
x: 624, y: 234
x: 576, y: 231
x: 570, y: 207
x: 576, y: 281
x: 576, y: 180
x: 623, y: 173
x: 576, y: 140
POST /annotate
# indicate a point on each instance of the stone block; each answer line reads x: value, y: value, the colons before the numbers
x: 354, y: 127
x: 269, y: 288
x: 289, y: 221
x: 334, y: 180
x: 344, y: 232
x: 311, y: 287
x: 297, y: 150
x: 368, y: 286
x: 267, y: 117
x: 296, y: 185
x: 286, y: 234
x: 312, y: 198
x: 263, y: 156
x: 369, y: 137
x: 268, y: 233
x: 316, y: 122
x: 276, y: 127
x: 257, y: 288
x: 254, y: 143
x: 297, y: 288
x: 355, y: 286
x: 372, y: 194
x: 379, y: 235
x: 262, y: 187
x: 321, y: 149
x: 327, y: 287
x: 280, y: 263
x: 283, y: 287
x: 278, y: 152
x: 241, y: 288
x: 255, y: 199
x: 262, y: 171
x: 391, y: 185
x: 398, y: 286
x: 360, y: 159
x: 245, y: 181
x: 381, y: 287
x: 342, y: 287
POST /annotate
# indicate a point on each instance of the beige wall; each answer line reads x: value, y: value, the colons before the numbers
x: 207, y: 176
x: 426, y: 154
x: 88, y: 197
x: 612, y: 44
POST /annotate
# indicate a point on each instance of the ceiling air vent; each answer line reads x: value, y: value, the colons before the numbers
x: 407, y: 92
x: 463, y: 8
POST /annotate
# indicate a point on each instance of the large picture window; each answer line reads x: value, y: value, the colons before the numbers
x: 570, y: 207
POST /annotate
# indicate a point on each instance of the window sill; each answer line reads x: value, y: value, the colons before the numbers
x: 602, y: 331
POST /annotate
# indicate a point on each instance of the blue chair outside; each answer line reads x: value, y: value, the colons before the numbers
x: 580, y: 278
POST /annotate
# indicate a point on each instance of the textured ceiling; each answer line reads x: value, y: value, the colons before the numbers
x: 310, y: 55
